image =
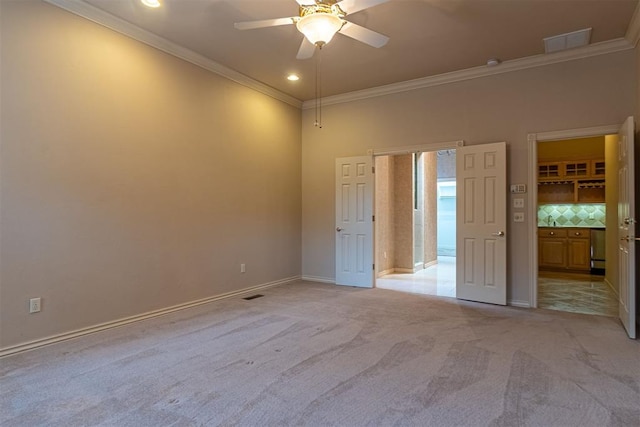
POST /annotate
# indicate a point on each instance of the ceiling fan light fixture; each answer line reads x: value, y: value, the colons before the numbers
x: 319, y: 28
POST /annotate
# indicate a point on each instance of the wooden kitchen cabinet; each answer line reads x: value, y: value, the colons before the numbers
x: 580, y: 181
x: 563, y: 249
x: 550, y: 170
x: 552, y: 250
x: 578, y: 250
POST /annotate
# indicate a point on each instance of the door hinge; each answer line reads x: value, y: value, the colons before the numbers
x: 374, y: 267
x: 373, y: 218
x: 373, y: 169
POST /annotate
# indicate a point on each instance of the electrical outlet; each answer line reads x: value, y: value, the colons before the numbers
x: 518, y: 202
x: 243, y: 268
x: 34, y: 305
x: 518, y: 217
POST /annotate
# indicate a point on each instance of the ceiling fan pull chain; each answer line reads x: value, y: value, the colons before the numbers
x: 320, y: 86
x: 318, y: 105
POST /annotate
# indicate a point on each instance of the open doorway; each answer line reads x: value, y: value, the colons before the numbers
x: 576, y: 269
x: 415, y: 206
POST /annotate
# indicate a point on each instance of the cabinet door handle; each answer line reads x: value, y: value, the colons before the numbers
x: 551, y: 233
x: 577, y: 233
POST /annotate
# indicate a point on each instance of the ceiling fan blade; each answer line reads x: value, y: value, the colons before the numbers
x: 353, y: 6
x: 307, y: 49
x: 250, y: 25
x: 364, y: 35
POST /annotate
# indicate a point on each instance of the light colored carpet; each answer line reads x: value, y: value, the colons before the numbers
x: 319, y: 355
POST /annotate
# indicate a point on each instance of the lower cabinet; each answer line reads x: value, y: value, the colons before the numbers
x: 552, y: 252
x: 564, y: 249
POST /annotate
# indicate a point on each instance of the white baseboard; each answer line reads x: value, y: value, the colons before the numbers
x: 319, y: 279
x: 518, y: 303
x: 430, y: 263
x: 385, y: 272
x: 30, y: 345
x: 615, y: 291
x: 403, y: 270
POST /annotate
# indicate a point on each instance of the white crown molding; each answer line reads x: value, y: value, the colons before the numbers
x: 633, y: 32
x: 105, y: 19
x: 595, y: 49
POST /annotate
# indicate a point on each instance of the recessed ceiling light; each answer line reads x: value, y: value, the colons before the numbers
x: 151, y: 3
x: 293, y: 78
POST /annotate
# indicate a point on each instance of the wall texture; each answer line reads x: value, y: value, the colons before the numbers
x: 504, y: 107
x: 637, y: 70
x: 430, y: 208
x: 578, y: 148
x: 131, y: 180
x: 385, y: 217
x: 403, y: 213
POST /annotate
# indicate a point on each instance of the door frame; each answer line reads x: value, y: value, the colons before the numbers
x: 408, y: 149
x: 533, y: 139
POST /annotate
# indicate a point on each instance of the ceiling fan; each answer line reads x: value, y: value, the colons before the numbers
x: 319, y: 20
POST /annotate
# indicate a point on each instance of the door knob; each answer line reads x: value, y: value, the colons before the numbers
x: 338, y: 229
x: 499, y: 233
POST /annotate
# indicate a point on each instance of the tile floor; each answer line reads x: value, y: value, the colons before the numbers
x: 577, y: 293
x: 439, y: 279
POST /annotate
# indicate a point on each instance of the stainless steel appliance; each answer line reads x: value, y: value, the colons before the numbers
x: 598, y: 240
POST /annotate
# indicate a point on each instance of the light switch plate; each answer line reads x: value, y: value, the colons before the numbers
x: 518, y: 217
x: 518, y: 203
x: 518, y: 188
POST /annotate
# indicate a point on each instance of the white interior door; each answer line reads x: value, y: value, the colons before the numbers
x: 354, y: 221
x: 481, y: 221
x: 627, y: 228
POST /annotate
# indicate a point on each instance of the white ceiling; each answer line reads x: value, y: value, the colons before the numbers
x: 427, y: 37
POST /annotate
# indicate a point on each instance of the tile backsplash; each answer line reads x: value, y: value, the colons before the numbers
x: 572, y: 215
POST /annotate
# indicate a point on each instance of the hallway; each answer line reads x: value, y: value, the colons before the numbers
x: 439, y: 279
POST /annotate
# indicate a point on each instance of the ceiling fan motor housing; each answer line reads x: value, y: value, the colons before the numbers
x: 319, y: 22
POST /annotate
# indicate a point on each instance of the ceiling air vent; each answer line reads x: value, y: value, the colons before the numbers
x: 567, y: 41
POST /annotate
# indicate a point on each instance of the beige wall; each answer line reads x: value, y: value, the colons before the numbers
x: 430, y: 207
x: 403, y: 212
x: 579, y: 148
x: 384, y: 212
x: 503, y: 107
x: 132, y: 180
x: 637, y: 73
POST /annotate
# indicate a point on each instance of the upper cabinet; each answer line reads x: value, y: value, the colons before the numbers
x: 575, y: 181
x: 579, y: 169
x: 597, y: 168
x: 549, y: 170
x: 575, y: 169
